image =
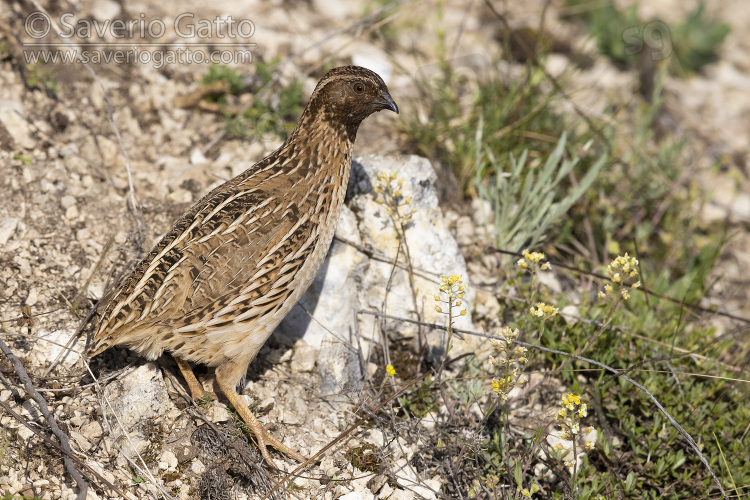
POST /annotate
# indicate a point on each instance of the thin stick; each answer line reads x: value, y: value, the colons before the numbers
x: 64, y: 443
x: 50, y: 442
x: 431, y: 275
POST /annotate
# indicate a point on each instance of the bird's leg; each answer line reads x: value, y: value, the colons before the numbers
x: 196, y: 389
x: 227, y: 384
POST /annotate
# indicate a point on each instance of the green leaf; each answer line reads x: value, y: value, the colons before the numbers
x: 518, y: 474
x: 630, y: 482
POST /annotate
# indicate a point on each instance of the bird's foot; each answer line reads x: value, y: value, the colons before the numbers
x: 262, y: 436
x: 196, y: 389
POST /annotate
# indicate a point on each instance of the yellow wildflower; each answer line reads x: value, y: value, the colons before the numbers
x: 495, y: 385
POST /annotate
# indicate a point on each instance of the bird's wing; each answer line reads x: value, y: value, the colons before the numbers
x: 233, y: 251
x: 230, y: 284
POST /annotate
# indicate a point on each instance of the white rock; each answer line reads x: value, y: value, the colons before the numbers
x: 570, y: 314
x: 740, y: 208
x: 379, y: 65
x: 464, y: 230
x: 549, y: 280
x: 354, y: 495
x: 91, y: 494
x: 377, y: 438
x: 68, y: 201
x: 52, y: 343
x: 23, y: 264
x: 71, y: 213
x: 428, y: 489
x: 82, y: 443
x: 32, y: 298
x: 217, y: 413
x: 327, y: 316
x: 289, y: 417
x: 12, y: 119
x: 402, y: 495
x: 170, y: 459
x: 105, y: 9
x: 277, y: 356
x: 197, y: 157
x: 197, y: 467
x: 303, y: 359
x: 92, y: 430
x: 337, y: 9
x: 8, y: 227
x: 139, y: 396
x: 385, y: 491
x: 24, y: 434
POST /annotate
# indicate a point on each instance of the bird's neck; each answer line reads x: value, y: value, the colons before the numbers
x: 321, y: 144
x: 317, y: 120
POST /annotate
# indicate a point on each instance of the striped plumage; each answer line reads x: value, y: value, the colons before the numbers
x: 215, y: 287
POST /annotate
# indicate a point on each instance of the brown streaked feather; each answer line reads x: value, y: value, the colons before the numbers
x: 218, y: 283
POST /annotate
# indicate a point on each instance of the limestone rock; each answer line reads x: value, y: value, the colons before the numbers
x: 12, y: 120
x: 7, y: 229
x: 137, y: 398
x: 329, y: 316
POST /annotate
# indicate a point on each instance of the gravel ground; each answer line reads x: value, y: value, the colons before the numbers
x: 66, y: 230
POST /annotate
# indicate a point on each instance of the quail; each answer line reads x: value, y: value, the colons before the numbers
x: 218, y: 283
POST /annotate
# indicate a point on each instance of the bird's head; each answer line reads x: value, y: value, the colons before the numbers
x: 348, y: 95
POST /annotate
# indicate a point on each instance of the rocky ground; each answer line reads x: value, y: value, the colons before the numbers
x: 66, y: 231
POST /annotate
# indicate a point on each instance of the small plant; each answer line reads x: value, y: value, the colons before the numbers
x: 40, y: 76
x: 622, y: 271
x: 268, y: 113
x: 526, y: 202
x: 543, y: 311
x: 462, y: 103
x: 508, y: 365
x: 23, y: 158
x: 389, y: 193
x: 530, y: 262
x: 697, y: 39
x: 453, y: 288
x: 365, y: 458
x: 621, y: 36
x: 422, y: 401
x: 205, y: 402
x: 573, y: 438
x: 218, y: 73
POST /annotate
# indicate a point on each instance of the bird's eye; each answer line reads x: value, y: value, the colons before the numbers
x: 358, y: 88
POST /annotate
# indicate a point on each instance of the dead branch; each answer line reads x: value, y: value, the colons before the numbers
x: 64, y: 443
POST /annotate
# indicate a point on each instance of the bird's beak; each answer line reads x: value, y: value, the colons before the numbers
x: 386, y: 101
